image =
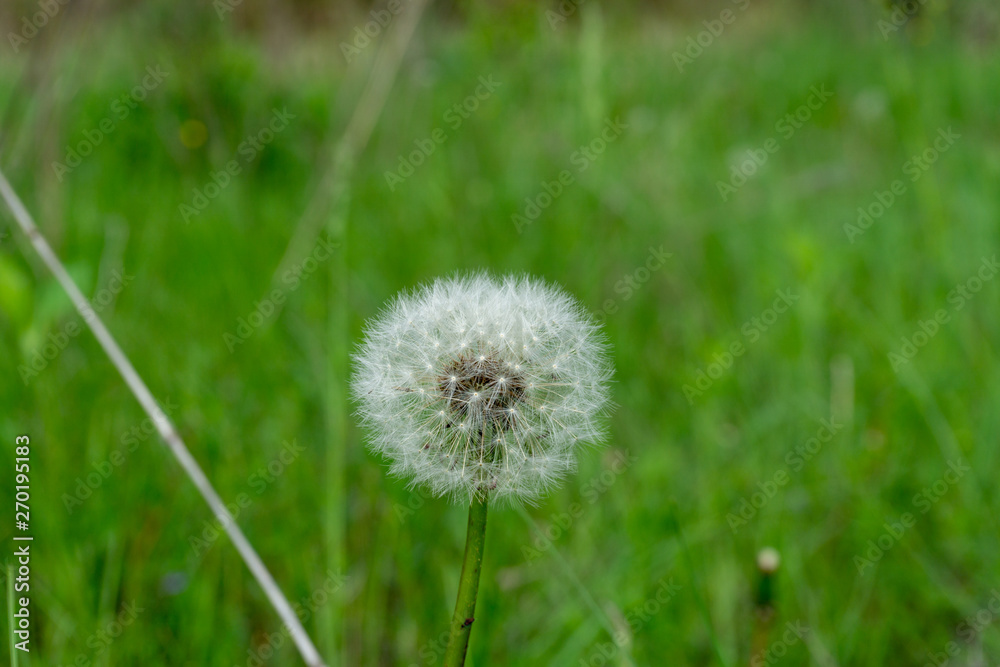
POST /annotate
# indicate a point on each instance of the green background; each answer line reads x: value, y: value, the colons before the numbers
x: 673, y: 514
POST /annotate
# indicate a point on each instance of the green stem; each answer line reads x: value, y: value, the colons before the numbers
x: 468, y: 586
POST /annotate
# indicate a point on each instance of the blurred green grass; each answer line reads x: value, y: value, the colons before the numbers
x: 655, y: 186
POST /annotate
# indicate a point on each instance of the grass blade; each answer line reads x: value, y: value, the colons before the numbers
x: 163, y: 425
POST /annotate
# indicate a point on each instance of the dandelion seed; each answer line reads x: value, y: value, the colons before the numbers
x: 501, y: 393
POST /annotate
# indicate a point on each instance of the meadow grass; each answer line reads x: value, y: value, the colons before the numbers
x: 652, y: 507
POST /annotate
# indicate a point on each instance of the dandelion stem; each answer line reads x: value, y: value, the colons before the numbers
x: 468, y: 586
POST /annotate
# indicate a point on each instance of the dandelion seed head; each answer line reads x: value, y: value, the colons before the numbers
x: 461, y: 404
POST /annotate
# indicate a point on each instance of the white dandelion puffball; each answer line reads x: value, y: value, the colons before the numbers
x: 476, y: 386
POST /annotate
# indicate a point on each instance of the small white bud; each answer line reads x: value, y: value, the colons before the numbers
x: 768, y: 560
